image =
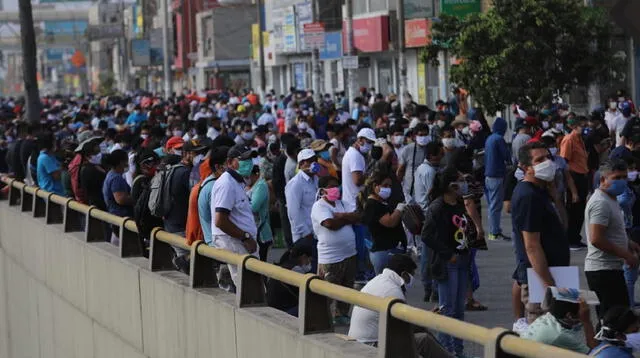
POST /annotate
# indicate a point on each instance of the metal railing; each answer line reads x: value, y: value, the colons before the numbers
x: 397, y: 319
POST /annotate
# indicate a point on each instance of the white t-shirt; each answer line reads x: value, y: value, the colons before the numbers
x: 228, y: 195
x: 353, y: 161
x: 333, y: 246
x: 616, y: 124
x: 364, y: 323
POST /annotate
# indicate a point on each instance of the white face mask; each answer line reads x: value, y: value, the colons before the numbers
x: 365, y: 148
x: 247, y: 135
x: 178, y: 133
x: 422, y: 140
x: 384, y: 193
x: 632, y: 175
x: 466, y: 131
x: 144, y: 136
x: 302, y: 269
x: 96, y: 159
x: 613, y: 105
x: 519, y: 174
x: 398, y: 140
x: 554, y: 151
x: 545, y: 125
x: 449, y: 142
x: 560, y: 126
x: 545, y: 171
x: 441, y: 124
x: 177, y: 152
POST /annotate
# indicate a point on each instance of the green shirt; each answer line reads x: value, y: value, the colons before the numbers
x: 260, y: 208
x: 548, y: 330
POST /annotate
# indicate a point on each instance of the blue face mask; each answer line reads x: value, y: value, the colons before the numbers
x: 325, y: 155
x: 617, y: 187
x: 245, y: 168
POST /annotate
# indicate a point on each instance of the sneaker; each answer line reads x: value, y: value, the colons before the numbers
x: 499, y: 237
x: 577, y: 247
x: 341, y: 321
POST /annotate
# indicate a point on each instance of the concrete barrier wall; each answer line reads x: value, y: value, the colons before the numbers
x: 63, y: 298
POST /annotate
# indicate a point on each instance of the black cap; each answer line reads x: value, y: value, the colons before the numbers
x: 241, y: 152
x: 218, y: 155
x: 194, y: 145
x: 262, y: 129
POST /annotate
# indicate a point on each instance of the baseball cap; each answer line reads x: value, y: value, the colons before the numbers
x: 194, y: 145
x: 306, y: 154
x: 174, y: 143
x: 89, y: 143
x: 368, y: 134
x: 219, y: 154
x: 241, y: 152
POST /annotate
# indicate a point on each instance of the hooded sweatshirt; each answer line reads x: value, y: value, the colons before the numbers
x: 496, y: 154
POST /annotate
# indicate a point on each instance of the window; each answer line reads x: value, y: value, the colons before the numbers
x: 360, y: 7
x: 378, y: 5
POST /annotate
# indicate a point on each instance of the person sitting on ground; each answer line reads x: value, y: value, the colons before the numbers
x: 394, y: 281
x: 615, y: 325
x: 280, y: 295
x: 563, y: 325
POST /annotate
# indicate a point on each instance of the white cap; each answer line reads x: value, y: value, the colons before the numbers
x: 367, y: 133
x: 306, y: 154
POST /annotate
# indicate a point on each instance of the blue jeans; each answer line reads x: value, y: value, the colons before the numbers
x: 379, y: 259
x: 362, y: 233
x: 452, y: 293
x: 494, y: 191
x: 630, y: 277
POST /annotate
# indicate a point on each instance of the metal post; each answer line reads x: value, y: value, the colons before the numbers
x: 402, y: 62
x: 263, y: 74
x: 315, y: 54
x: 165, y: 49
x: 351, y: 74
x: 632, y: 69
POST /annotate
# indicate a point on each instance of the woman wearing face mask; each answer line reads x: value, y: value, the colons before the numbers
x: 383, y: 221
x: 617, y: 323
x: 332, y: 225
x: 92, y: 176
x: 115, y: 190
x: 445, y: 231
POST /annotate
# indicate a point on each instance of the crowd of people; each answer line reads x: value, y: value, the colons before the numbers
x: 364, y: 192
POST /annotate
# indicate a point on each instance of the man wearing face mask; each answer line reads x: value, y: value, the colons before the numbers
x: 394, y: 281
x: 300, y: 193
x: 609, y: 246
x: 175, y: 220
x: 539, y: 238
x: 496, y: 158
x: 573, y: 150
x: 246, y: 135
x: 233, y: 225
x: 354, y: 166
x: 397, y: 139
x: 412, y: 156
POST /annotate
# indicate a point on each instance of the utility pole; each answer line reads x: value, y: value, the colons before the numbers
x: 315, y: 54
x: 165, y: 49
x: 402, y: 62
x: 351, y: 74
x: 29, y: 62
x: 263, y: 74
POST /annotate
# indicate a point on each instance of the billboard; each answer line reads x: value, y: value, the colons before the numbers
x: 65, y: 27
x: 304, y: 15
x: 141, y: 52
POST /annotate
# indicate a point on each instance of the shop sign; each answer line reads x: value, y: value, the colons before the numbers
x: 417, y: 32
x: 460, y: 8
x: 370, y: 34
x: 332, y: 46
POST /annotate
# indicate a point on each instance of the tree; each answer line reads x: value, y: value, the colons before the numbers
x: 525, y: 51
x: 29, y: 64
